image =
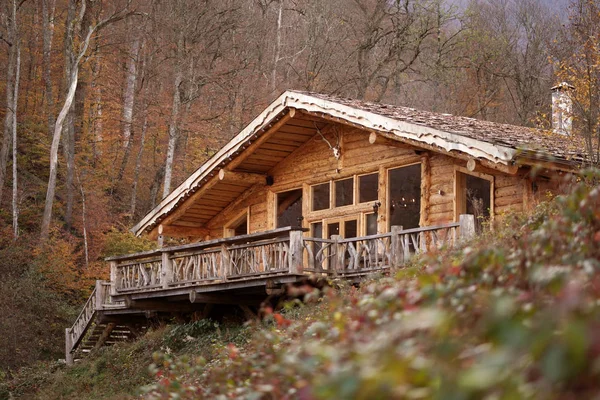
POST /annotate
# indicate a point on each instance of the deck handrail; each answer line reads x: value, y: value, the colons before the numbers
x: 272, y: 252
x: 209, y: 243
x: 282, y: 250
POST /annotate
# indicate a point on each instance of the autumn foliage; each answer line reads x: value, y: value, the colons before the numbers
x: 514, y: 315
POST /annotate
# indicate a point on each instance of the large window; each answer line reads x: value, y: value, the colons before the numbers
x: 404, y: 197
x: 289, y: 208
x: 474, y: 196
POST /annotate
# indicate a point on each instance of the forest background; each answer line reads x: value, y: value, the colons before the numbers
x: 108, y: 105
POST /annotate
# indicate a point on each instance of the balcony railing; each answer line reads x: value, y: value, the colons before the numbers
x: 276, y: 252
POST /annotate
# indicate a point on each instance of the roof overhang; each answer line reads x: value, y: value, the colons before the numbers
x: 284, y: 108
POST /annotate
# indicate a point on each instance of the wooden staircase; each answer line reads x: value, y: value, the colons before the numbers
x: 103, y: 334
x: 91, y: 330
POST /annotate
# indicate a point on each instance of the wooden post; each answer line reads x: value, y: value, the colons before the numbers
x: 114, y: 275
x: 68, y: 347
x: 467, y: 226
x: 225, y: 261
x: 397, y: 257
x: 161, y: 238
x: 100, y: 295
x: 406, y: 240
x: 167, y: 269
x: 296, y: 256
x: 338, y: 259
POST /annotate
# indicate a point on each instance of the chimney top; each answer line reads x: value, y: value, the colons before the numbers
x: 562, y: 86
x: 562, y: 104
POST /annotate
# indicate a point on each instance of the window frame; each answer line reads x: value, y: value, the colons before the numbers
x: 460, y: 203
x: 388, y: 221
x: 233, y: 223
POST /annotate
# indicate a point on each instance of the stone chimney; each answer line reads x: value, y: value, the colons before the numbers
x: 562, y: 108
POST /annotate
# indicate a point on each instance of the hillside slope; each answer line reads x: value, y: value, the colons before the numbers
x: 514, y: 315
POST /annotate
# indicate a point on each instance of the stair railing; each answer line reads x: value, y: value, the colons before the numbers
x: 74, y: 334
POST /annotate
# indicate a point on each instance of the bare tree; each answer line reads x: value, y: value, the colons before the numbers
x: 73, y: 79
x: 13, y: 112
x: 11, y: 40
x: 48, y: 10
x: 129, y: 102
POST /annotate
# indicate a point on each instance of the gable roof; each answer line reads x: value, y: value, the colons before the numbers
x: 497, y: 143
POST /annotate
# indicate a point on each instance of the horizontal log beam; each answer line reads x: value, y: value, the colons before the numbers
x: 158, y: 306
x: 221, y: 298
x: 242, y: 177
x: 183, y: 231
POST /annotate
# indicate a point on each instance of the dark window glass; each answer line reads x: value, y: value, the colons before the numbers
x: 344, y: 192
x: 320, y: 197
x: 368, y: 187
x: 289, y: 208
x: 333, y: 229
x: 372, y: 224
x: 242, y: 228
x: 317, y: 232
x: 405, y: 196
x: 478, y: 196
x: 317, y: 229
x: 478, y: 200
x: 350, y: 228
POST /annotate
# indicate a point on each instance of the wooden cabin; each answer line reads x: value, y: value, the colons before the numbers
x: 341, y: 166
x: 325, y: 185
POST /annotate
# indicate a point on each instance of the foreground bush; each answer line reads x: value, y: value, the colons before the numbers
x: 515, y: 316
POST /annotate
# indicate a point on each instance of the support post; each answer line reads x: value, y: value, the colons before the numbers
x: 338, y: 258
x: 167, y: 269
x: 68, y: 347
x: 397, y: 257
x: 296, y: 253
x: 225, y: 261
x: 100, y: 295
x: 467, y: 226
x: 406, y: 245
x: 114, y: 275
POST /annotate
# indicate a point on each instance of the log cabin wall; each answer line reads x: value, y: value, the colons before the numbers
x: 314, y: 163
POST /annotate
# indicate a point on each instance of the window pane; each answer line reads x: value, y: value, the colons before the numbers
x: 333, y: 229
x: 289, y: 208
x: 242, y: 228
x: 317, y: 229
x: 320, y: 197
x: 371, y: 224
x: 368, y: 187
x: 344, y: 192
x: 478, y: 197
x: 350, y: 229
x: 405, y: 196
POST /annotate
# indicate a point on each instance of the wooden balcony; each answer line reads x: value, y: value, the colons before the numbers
x: 242, y: 270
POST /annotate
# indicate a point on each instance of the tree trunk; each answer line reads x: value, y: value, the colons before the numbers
x: 68, y: 137
x: 48, y: 7
x: 95, y: 113
x: 45, y: 229
x: 173, y: 122
x: 128, y: 103
x: 138, y: 165
x: 277, y: 55
x: 15, y: 208
x: 8, y: 119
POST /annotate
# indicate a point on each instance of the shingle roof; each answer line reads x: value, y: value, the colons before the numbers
x: 543, y: 143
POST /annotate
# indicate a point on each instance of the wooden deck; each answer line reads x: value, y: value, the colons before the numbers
x: 240, y: 271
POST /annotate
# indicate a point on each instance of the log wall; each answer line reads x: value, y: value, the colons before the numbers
x: 314, y: 162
